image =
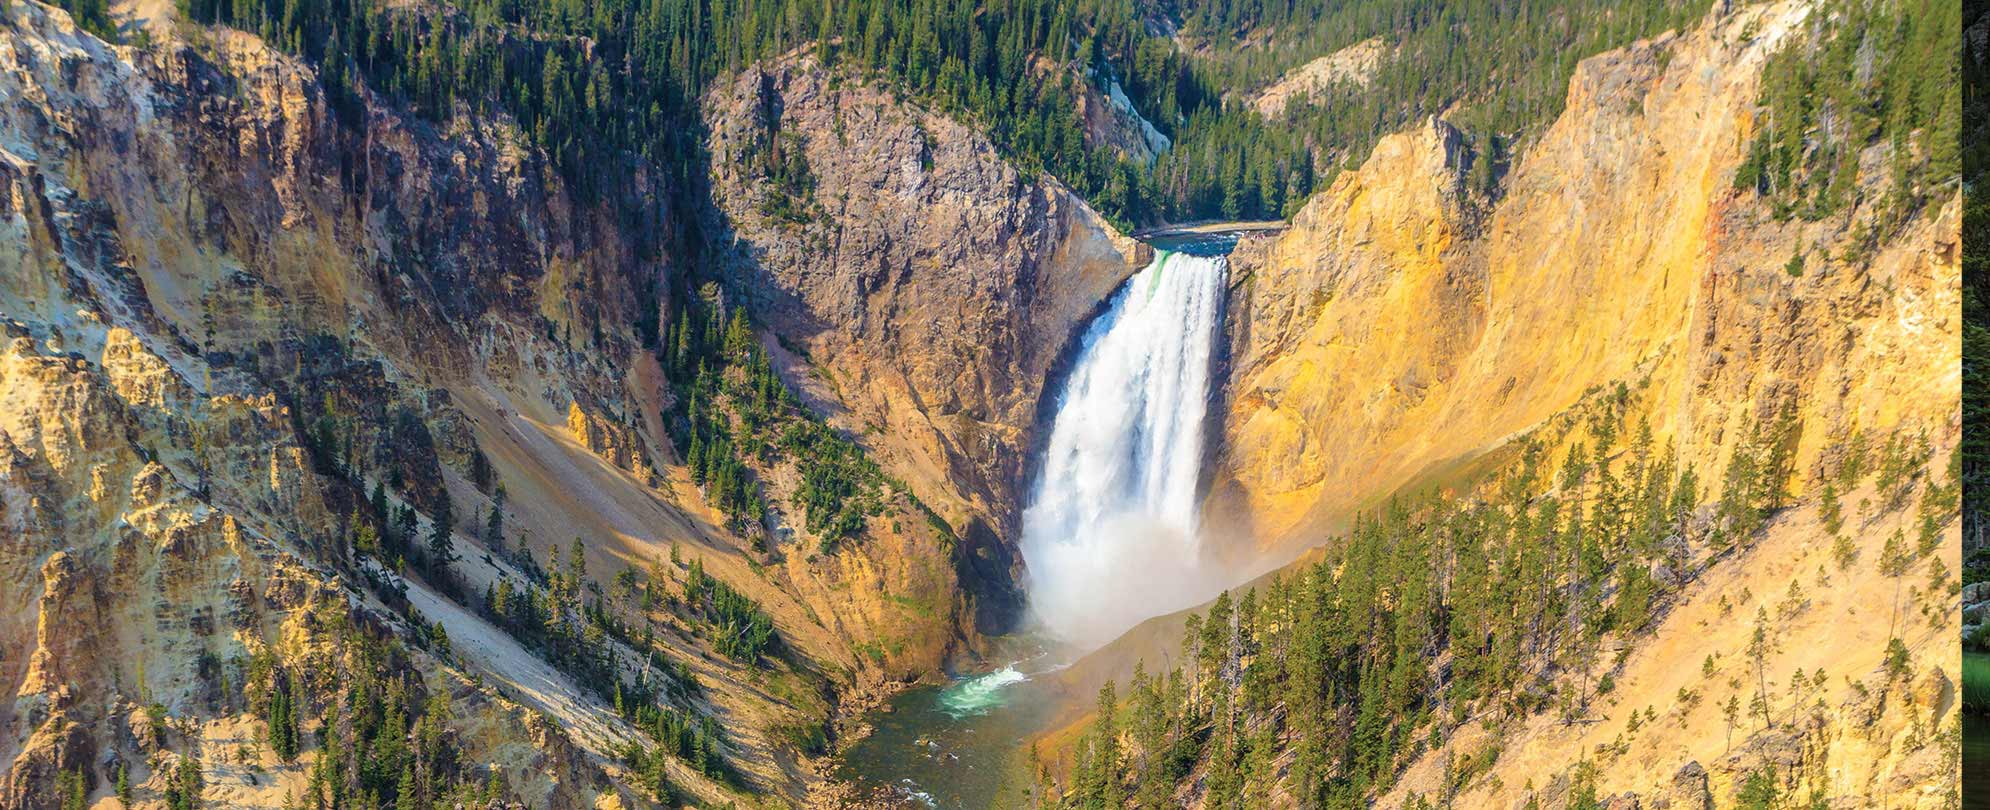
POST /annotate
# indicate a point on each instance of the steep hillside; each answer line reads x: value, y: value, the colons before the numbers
x: 201, y: 262
x: 292, y: 377
x: 489, y: 404
x: 921, y: 287
x: 1403, y: 324
x: 1628, y: 481
x: 1680, y: 719
x: 1354, y: 64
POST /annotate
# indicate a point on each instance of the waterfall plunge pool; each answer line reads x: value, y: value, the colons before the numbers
x: 959, y: 746
x: 1109, y: 537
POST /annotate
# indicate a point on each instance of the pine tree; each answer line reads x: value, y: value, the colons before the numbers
x: 501, y: 602
x: 441, y: 546
x: 1779, y: 456
x: 739, y: 336
x: 70, y: 787
x: 406, y: 796
x: 1731, y: 712
x: 1106, y: 753
x: 1739, y: 488
x: 1758, y: 649
x: 185, y: 785
x: 494, y: 523
x: 279, y: 711
x: 659, y: 777
x: 1828, y: 509
x: 1893, y: 558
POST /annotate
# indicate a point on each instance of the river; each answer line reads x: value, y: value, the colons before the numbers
x: 963, y: 745
x: 1109, y: 536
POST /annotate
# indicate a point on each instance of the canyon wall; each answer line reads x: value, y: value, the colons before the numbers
x: 199, y: 261
x: 230, y: 309
x: 233, y: 310
x: 1409, y: 329
x: 1405, y: 324
x: 925, y: 289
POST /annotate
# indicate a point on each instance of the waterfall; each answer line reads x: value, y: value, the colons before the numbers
x: 1109, y: 535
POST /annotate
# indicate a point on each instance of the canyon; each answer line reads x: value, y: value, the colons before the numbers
x: 238, y: 314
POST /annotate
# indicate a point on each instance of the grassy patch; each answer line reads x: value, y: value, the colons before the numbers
x: 1976, y: 682
x: 919, y: 606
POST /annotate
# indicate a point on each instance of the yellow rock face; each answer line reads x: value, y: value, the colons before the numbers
x: 1404, y: 325
x: 1861, y: 734
x: 198, y: 285
x: 613, y: 442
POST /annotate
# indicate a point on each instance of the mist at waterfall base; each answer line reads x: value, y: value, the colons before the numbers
x: 1109, y: 537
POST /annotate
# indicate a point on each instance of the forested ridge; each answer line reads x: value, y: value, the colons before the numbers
x: 1499, y: 70
x: 1975, y: 156
x: 1434, y: 611
x: 1873, y: 77
x: 597, y: 83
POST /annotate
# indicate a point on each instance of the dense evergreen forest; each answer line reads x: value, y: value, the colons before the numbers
x: 1497, y: 69
x: 1975, y: 298
x: 1875, y: 77
x: 1324, y: 683
x: 597, y: 83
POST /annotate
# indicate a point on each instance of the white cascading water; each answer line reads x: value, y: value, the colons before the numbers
x: 1109, y: 536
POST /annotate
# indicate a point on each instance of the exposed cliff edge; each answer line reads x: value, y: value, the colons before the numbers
x: 249, y: 334
x: 1403, y: 325
x: 229, y: 309
x: 1410, y: 332
x: 246, y: 333
x: 924, y: 286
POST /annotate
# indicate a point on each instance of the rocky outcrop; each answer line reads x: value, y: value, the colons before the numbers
x: 1408, y: 327
x: 1110, y: 121
x: 614, y: 442
x: 928, y: 288
x: 231, y: 311
x: 1403, y: 327
x: 1354, y: 65
x: 1412, y: 329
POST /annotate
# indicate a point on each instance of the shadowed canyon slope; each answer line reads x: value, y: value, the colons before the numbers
x: 928, y: 285
x: 201, y: 261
